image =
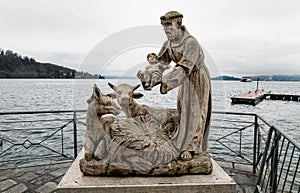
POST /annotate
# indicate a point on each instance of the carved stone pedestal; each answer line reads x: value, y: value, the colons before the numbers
x: 216, y: 182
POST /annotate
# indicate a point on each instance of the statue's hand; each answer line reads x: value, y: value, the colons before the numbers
x: 140, y: 75
x: 186, y: 156
x: 163, y: 88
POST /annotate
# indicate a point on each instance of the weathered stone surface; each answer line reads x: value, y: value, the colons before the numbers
x: 145, y: 143
x: 93, y: 167
x: 20, y: 188
x: 47, y: 188
x: 216, y: 182
x: 6, y: 184
x: 183, y: 167
x: 201, y: 164
x: 152, y: 75
x: 198, y: 165
x: 96, y: 131
x: 119, y: 169
x: 166, y: 169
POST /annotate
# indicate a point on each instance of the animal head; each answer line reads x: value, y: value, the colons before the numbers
x: 104, y: 104
x: 125, y: 93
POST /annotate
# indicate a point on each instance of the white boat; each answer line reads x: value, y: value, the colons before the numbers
x: 246, y: 79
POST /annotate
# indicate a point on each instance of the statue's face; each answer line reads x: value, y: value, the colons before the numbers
x: 152, y: 59
x: 172, y: 29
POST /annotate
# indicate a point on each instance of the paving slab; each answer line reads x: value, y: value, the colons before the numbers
x: 2, y: 178
x: 7, y: 184
x: 27, y: 177
x: 20, y: 188
x: 41, y: 180
x: 47, y: 188
x: 59, y: 172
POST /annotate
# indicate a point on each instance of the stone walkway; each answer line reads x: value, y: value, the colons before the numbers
x: 242, y: 175
x: 44, y: 179
x: 41, y: 179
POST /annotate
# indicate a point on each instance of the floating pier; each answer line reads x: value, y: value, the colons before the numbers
x: 251, y: 98
x: 254, y: 97
x: 283, y: 97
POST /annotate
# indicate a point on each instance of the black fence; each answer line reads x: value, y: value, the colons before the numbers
x: 279, y: 169
x: 40, y: 137
x: 247, y: 138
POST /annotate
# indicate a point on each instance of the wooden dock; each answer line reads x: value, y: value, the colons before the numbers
x: 251, y: 98
x: 254, y: 97
x: 283, y: 97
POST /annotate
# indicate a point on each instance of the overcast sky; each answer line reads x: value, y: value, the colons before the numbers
x: 242, y: 37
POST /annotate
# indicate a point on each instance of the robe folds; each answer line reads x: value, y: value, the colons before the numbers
x: 194, y: 103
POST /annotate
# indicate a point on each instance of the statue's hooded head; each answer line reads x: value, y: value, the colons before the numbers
x: 172, y: 24
x: 170, y: 17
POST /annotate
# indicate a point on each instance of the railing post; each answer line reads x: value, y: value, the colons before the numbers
x: 274, y: 162
x: 75, y: 134
x: 255, y: 144
x: 262, y: 167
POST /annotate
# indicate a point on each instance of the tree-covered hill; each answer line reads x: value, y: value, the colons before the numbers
x: 13, y: 65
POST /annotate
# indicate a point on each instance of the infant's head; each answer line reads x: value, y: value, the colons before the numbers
x: 152, y: 58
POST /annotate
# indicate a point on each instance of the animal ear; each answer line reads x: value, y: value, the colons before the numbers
x: 97, y: 92
x: 136, y: 87
x: 90, y: 99
x: 112, y: 95
x: 137, y: 95
x: 112, y: 86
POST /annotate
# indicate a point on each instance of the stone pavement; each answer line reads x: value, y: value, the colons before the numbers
x: 242, y: 175
x: 44, y: 179
x: 40, y: 179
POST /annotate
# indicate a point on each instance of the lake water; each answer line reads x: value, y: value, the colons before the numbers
x: 61, y: 94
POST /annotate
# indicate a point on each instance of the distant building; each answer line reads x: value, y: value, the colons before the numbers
x: 268, y: 79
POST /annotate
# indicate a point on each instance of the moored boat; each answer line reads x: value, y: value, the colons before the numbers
x: 246, y: 79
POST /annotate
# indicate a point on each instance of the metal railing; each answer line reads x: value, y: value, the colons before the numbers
x: 245, y: 138
x: 279, y: 170
x: 273, y: 155
x: 32, y: 137
x: 238, y: 137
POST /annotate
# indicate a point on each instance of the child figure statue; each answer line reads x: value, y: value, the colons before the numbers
x: 153, y: 72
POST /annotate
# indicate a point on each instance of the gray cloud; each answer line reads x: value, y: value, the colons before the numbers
x: 241, y: 37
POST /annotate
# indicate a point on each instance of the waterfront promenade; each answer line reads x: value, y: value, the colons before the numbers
x: 41, y: 179
x: 44, y: 178
x: 244, y: 144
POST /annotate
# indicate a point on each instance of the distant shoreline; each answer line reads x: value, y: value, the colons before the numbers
x: 290, y: 78
x: 130, y: 78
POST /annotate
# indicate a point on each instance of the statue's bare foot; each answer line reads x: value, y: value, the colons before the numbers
x: 186, y: 156
x: 88, y: 155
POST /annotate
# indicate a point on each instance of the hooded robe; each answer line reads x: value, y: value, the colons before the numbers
x: 194, y: 95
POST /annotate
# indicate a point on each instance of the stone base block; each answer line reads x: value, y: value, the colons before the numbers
x: 200, y: 164
x: 216, y: 182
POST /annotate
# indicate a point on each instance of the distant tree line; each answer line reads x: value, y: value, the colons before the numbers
x: 262, y: 78
x: 85, y: 75
x: 293, y: 77
x: 13, y: 65
x: 225, y: 78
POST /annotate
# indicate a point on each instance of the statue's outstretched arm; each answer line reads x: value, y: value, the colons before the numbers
x: 172, y: 79
x: 184, y: 67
